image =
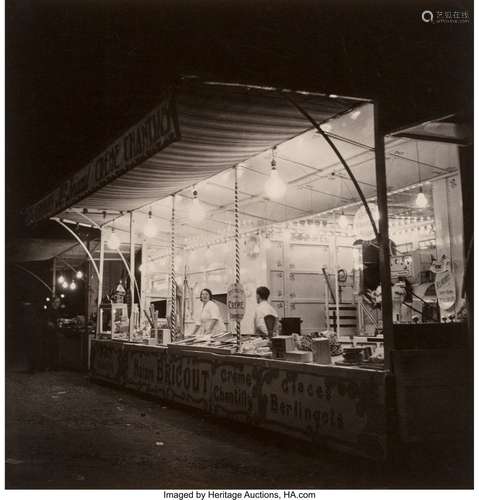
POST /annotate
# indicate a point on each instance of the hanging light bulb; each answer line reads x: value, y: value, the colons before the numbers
x: 362, y: 225
x: 197, y: 211
x: 113, y: 242
x: 240, y: 169
x: 355, y: 114
x: 150, y: 228
x: 48, y: 299
x: 65, y: 285
x: 73, y: 286
x: 61, y: 279
x: 62, y: 295
x: 79, y: 275
x: 275, y: 187
x: 343, y: 221
x: 421, y: 199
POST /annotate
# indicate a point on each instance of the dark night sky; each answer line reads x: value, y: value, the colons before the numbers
x: 79, y: 73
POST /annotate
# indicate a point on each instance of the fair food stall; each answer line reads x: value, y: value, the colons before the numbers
x: 228, y: 188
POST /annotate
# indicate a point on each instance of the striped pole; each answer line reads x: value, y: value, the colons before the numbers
x: 237, y: 251
x: 172, y: 272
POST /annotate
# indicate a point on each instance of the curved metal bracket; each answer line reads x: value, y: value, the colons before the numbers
x: 31, y: 273
x: 338, y: 154
x: 81, y: 243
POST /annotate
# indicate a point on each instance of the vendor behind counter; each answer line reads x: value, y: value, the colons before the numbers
x: 209, y: 321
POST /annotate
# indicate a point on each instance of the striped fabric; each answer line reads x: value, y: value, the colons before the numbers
x: 220, y: 125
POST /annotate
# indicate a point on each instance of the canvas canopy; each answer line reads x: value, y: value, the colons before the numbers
x: 200, y: 130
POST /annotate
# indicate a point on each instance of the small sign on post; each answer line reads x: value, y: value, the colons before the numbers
x: 236, y: 303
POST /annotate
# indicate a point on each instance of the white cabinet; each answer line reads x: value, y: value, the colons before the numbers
x: 275, y: 255
x: 307, y: 256
x: 297, y: 283
x: 276, y: 285
x: 279, y: 306
x: 305, y: 285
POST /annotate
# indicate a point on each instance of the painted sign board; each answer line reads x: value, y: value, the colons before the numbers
x: 107, y: 361
x: 343, y: 408
x: 152, y: 134
x: 183, y: 379
x: 236, y: 301
x: 445, y: 289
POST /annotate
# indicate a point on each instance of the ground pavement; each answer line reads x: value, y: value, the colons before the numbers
x: 64, y: 431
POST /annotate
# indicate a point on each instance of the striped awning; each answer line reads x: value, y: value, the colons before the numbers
x: 218, y: 126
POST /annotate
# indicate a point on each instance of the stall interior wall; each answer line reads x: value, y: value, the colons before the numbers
x: 291, y: 268
x: 298, y: 283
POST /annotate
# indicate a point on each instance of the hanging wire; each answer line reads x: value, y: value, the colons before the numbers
x: 417, y: 162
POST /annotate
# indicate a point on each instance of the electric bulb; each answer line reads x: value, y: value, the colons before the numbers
x: 65, y: 285
x: 421, y: 200
x: 150, y: 228
x: 275, y: 187
x: 44, y: 307
x: 79, y: 275
x: 48, y: 299
x: 355, y: 114
x: 61, y: 279
x: 362, y: 225
x: 73, y: 286
x: 197, y: 211
x: 113, y: 242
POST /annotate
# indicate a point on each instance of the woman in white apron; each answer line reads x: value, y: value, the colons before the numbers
x: 209, y: 321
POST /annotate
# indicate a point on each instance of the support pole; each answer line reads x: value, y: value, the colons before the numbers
x: 54, y: 277
x: 237, y: 252
x: 144, y: 305
x: 384, y: 265
x: 100, y: 281
x: 132, y: 274
x: 172, y: 272
x: 336, y: 283
x: 86, y: 291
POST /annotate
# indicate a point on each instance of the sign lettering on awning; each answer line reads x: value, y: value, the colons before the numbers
x: 155, y: 132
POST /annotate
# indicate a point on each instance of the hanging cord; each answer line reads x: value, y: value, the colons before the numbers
x: 237, y: 250
x: 418, y: 164
x: 172, y: 273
